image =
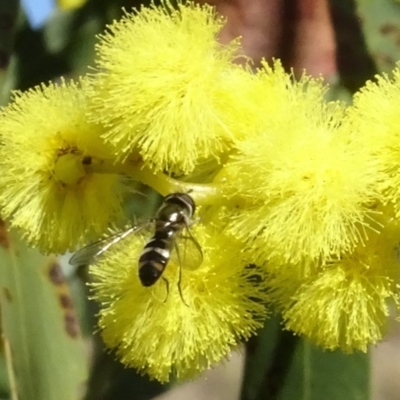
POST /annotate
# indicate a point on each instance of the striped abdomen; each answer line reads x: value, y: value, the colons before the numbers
x: 155, y: 257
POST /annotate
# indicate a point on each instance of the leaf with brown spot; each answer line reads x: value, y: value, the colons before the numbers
x: 47, y: 350
x: 55, y: 273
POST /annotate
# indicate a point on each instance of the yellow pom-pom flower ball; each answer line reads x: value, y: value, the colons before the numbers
x: 165, y: 86
x: 181, y: 329
x: 46, y: 187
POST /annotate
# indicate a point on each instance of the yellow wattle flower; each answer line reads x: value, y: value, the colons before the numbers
x: 164, y: 335
x: 374, y: 121
x: 304, y: 190
x: 46, y: 189
x: 165, y: 86
x: 345, y: 303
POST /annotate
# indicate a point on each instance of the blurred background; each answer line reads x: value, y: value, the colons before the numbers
x: 52, y: 323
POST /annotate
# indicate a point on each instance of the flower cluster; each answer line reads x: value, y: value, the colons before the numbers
x: 46, y: 189
x: 165, y: 332
x: 299, y: 197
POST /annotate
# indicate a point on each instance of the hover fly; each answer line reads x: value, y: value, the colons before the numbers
x: 171, y: 239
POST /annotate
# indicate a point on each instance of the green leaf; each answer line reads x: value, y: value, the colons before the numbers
x: 316, y: 374
x: 39, y: 322
x: 381, y: 26
x: 281, y: 366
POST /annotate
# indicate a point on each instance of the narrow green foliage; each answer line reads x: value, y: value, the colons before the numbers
x: 39, y: 322
x: 280, y: 366
x: 316, y: 374
x: 381, y: 27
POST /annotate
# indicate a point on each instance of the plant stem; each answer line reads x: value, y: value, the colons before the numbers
x: 268, y: 361
x: 202, y: 193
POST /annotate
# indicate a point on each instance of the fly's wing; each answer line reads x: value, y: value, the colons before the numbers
x: 87, y: 255
x: 187, y: 251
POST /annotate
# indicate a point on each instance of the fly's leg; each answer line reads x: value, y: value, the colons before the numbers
x: 167, y: 287
x: 180, y: 275
x: 179, y: 286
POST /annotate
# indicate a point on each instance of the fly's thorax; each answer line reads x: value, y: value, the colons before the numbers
x: 183, y: 200
x: 175, y: 212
